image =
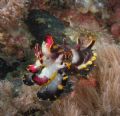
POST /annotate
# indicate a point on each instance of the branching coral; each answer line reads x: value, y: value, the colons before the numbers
x: 65, y: 108
x: 109, y: 77
x: 85, y: 102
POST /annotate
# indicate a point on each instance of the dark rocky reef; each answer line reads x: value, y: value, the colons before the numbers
x: 6, y: 68
x: 41, y: 23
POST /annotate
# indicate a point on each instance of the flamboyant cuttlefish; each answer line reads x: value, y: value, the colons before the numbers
x: 55, y: 64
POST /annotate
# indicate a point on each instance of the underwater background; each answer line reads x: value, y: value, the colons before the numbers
x: 23, y: 23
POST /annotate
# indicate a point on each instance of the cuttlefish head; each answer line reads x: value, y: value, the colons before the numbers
x: 47, y: 44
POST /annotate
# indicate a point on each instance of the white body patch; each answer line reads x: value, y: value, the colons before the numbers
x: 76, y: 57
x: 50, y: 69
x: 45, y: 50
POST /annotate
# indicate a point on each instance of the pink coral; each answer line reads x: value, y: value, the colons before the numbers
x: 115, y: 29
